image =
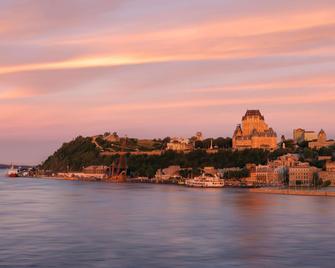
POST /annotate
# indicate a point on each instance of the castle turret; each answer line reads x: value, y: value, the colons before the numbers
x: 238, y: 131
x: 322, y: 136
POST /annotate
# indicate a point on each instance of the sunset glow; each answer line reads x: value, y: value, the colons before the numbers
x: 159, y: 68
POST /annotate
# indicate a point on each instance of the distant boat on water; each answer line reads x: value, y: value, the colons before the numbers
x: 205, y: 181
x: 13, y: 172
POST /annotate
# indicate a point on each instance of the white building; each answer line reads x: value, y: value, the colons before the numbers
x: 179, y: 144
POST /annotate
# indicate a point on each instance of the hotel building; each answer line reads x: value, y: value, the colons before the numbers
x: 254, y: 133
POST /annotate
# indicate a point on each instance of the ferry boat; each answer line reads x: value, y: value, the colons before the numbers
x: 13, y: 172
x: 205, y: 181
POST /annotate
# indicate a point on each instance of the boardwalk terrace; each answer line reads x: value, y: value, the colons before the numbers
x: 254, y: 133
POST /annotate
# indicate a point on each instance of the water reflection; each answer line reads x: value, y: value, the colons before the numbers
x: 46, y: 223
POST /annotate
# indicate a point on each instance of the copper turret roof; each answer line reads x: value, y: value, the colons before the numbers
x: 253, y: 113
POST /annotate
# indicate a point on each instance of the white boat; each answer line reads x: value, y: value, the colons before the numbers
x: 205, y: 181
x: 13, y: 172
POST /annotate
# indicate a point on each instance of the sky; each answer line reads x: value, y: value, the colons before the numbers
x: 157, y: 68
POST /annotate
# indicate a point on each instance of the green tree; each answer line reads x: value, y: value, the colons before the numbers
x: 316, y: 180
x: 326, y: 183
x: 308, y: 153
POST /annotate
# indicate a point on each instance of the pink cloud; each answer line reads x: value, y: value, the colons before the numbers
x: 250, y: 36
x: 84, y: 67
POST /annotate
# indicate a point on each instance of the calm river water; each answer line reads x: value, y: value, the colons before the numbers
x: 51, y: 223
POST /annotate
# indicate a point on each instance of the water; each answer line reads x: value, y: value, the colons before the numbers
x: 50, y: 223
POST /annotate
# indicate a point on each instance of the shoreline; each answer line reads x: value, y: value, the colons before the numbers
x: 92, y: 179
x: 251, y: 190
x: 293, y: 192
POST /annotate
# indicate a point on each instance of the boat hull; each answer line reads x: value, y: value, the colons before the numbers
x: 204, y: 186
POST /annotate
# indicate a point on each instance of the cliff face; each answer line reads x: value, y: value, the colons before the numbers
x: 73, y: 156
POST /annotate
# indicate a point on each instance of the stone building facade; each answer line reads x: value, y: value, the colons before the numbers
x: 321, y: 141
x: 310, y: 135
x: 301, y: 174
x: 298, y: 135
x: 287, y: 160
x: 286, y: 167
x: 266, y: 175
x: 329, y: 173
x: 179, y: 144
x: 254, y: 133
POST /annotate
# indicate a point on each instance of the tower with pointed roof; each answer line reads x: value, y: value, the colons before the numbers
x: 322, y: 136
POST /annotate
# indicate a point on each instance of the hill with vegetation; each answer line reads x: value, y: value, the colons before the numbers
x: 113, y: 143
x: 82, y: 152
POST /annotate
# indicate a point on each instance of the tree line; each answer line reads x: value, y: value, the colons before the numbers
x: 81, y: 152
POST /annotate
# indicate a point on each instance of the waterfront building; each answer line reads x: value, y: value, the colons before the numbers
x: 327, y: 176
x: 321, y: 141
x: 95, y: 170
x: 254, y: 133
x: 167, y: 173
x: 286, y: 167
x: 179, y: 144
x: 266, y: 174
x: 301, y: 174
x: 329, y: 173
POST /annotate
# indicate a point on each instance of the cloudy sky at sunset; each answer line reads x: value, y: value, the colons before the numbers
x: 153, y: 68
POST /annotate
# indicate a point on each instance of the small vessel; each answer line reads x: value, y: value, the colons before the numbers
x: 13, y: 172
x: 206, y: 180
